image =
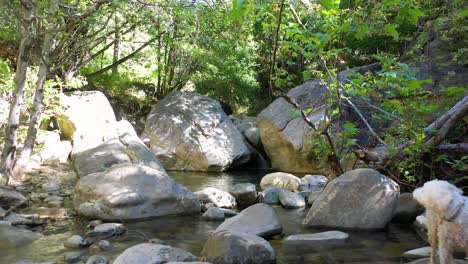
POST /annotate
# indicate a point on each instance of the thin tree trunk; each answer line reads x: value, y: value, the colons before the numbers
x: 115, y: 57
x: 122, y: 60
x: 36, y: 114
x: 275, y: 48
x: 158, y: 90
x: 11, y: 133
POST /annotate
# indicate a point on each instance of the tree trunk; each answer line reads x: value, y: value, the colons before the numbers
x: 275, y: 49
x: 36, y: 113
x: 115, y: 57
x: 11, y: 133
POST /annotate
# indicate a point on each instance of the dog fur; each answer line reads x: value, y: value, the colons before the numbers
x: 447, y: 219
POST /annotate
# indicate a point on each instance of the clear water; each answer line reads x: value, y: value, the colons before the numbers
x: 191, y: 232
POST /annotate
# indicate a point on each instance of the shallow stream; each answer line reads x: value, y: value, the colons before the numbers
x: 191, y: 232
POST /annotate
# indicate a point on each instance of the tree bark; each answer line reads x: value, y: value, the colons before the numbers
x: 36, y: 113
x: 11, y: 133
x: 115, y: 57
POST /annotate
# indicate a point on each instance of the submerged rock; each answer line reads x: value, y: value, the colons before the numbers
x: 12, y: 236
x: 96, y: 259
x: 188, y: 131
x: 318, y: 239
x: 76, y: 241
x: 148, y: 253
x: 258, y: 219
x: 361, y: 198
x: 226, y: 247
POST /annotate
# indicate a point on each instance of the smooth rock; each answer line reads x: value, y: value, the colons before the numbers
x: 148, y: 253
x: 188, y: 131
x: 407, y: 209
x: 216, y: 196
x: 95, y: 223
x: 214, y: 214
x: 10, y: 197
x: 313, y: 183
x: 281, y: 180
x: 76, y: 241
x: 318, y: 239
x: 258, y: 219
x: 252, y: 134
x: 73, y: 257
x: 361, y: 198
x: 228, y: 213
x: 103, y: 245
x: 129, y: 191
x: 291, y: 200
x: 271, y: 195
x: 244, y: 193
x: 226, y: 247
x: 418, y: 252
x: 313, y: 197
x: 12, y: 236
x: 87, y: 119
x: 109, y: 229
x: 96, y: 259
x: 56, y: 152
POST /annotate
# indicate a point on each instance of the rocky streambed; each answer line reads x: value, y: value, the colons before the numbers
x: 191, y: 232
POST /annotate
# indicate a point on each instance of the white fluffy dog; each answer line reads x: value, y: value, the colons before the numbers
x: 447, y: 219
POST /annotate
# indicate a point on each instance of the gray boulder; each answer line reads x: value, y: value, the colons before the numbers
x: 313, y: 197
x: 188, y: 131
x: 318, y: 239
x: 281, y: 180
x: 128, y: 191
x: 149, y: 253
x: 10, y: 197
x: 214, y: 214
x: 361, y: 198
x: 232, y: 248
x: 87, y: 119
x: 289, y: 141
x: 245, y: 194
x: 313, y: 183
x: 271, y: 195
x: 216, y: 196
x: 126, y: 148
x: 407, y: 209
x: 291, y: 200
x: 258, y: 219
x: 12, y: 236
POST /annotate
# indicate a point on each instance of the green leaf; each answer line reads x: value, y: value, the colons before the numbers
x: 330, y: 4
x: 306, y: 75
x: 390, y: 30
x: 350, y: 127
x: 464, y: 13
x: 362, y: 31
x: 295, y: 113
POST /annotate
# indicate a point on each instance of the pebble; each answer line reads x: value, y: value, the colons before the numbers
x: 96, y: 259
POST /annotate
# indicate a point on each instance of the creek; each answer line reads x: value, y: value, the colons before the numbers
x: 191, y: 232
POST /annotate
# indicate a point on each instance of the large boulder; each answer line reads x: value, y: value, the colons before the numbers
x: 361, y: 198
x: 288, y: 140
x: 281, y: 180
x: 407, y: 209
x: 232, y: 248
x: 188, y: 131
x: 130, y: 191
x: 258, y: 219
x: 126, y: 148
x: 148, y: 253
x: 87, y: 119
